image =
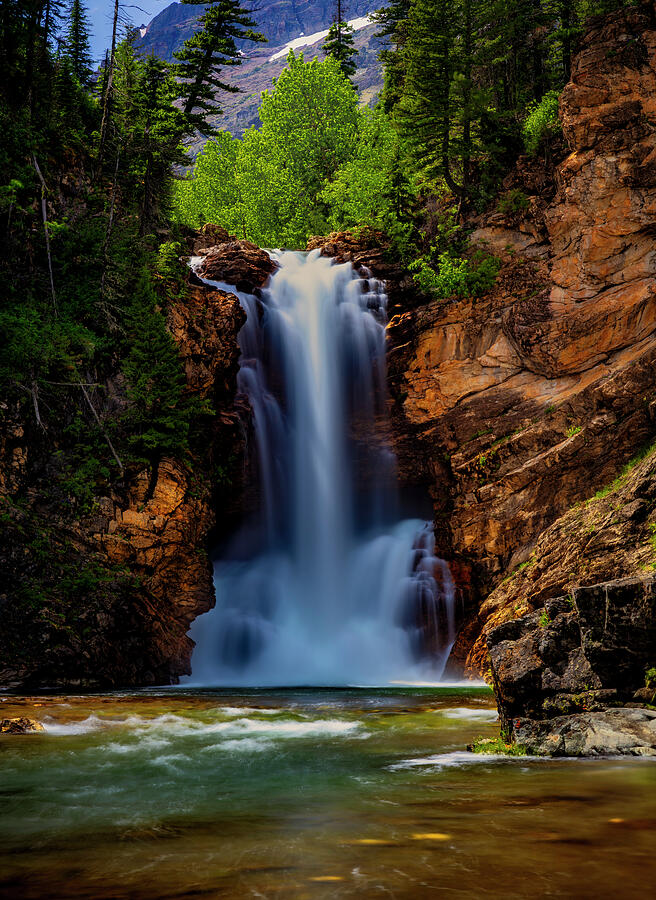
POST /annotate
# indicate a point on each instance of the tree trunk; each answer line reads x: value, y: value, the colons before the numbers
x: 107, y: 99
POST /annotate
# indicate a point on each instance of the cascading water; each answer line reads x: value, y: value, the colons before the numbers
x: 334, y: 589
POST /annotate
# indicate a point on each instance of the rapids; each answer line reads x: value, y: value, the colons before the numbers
x: 333, y: 585
x: 315, y: 794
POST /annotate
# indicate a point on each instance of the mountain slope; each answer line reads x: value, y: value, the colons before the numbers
x: 283, y: 22
x: 279, y: 20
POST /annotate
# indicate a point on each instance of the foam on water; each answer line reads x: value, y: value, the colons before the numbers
x: 230, y: 729
x: 465, y: 712
x: 64, y: 729
x: 456, y: 759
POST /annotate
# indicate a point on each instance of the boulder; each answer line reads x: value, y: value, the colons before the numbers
x: 581, y: 658
x: 610, y: 732
x: 237, y: 263
x: 21, y: 725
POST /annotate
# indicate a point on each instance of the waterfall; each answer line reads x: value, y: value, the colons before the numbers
x: 334, y: 587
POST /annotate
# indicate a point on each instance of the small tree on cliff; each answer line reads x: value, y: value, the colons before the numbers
x: 339, y: 43
x: 204, y: 55
x: 157, y: 419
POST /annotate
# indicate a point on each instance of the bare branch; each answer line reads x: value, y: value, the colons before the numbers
x: 44, y: 214
x: 101, y: 426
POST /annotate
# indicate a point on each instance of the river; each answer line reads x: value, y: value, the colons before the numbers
x: 306, y: 793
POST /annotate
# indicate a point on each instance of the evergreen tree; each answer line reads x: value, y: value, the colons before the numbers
x: 161, y: 125
x: 393, y: 21
x: 204, y: 55
x: 157, y: 419
x: 426, y: 112
x: 76, y: 43
x: 339, y: 42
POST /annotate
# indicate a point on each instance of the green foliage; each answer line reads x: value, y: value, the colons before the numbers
x: 650, y: 677
x: 497, y: 746
x: 268, y: 186
x: 544, y: 619
x: 574, y: 430
x: 371, y: 189
x: 454, y: 276
x: 541, y: 122
x: 513, y: 202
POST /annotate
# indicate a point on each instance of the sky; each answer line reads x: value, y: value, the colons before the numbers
x: 101, y: 13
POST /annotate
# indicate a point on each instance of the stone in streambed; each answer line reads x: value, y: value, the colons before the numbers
x: 610, y: 732
x: 21, y: 725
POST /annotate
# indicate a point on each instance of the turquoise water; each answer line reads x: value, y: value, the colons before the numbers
x: 306, y: 794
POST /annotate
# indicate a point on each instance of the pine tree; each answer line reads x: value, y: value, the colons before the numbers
x: 393, y: 21
x: 76, y: 43
x: 339, y: 42
x: 426, y: 110
x: 203, y: 56
x: 161, y: 124
x: 157, y: 419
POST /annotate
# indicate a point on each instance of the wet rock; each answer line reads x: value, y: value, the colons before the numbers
x: 611, y: 732
x: 20, y: 725
x: 238, y: 263
x: 580, y: 654
x: 207, y: 237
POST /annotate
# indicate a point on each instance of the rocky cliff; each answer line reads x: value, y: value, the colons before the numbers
x: 513, y: 408
x: 105, y: 599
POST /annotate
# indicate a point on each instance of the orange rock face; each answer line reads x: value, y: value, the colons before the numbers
x: 511, y: 409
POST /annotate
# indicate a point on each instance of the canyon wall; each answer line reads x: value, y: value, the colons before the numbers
x: 106, y: 599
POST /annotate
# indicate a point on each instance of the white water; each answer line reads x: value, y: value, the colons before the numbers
x: 333, y: 586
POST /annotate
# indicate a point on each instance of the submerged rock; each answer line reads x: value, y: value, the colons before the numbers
x: 21, y: 725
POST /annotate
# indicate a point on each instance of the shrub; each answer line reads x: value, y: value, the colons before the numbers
x: 513, y: 202
x: 456, y: 276
x: 497, y: 746
x: 541, y: 122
